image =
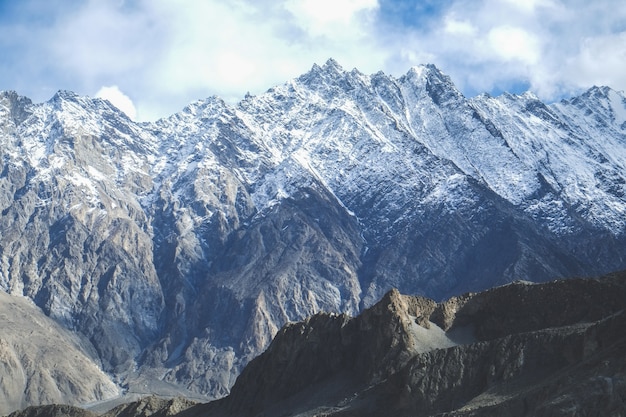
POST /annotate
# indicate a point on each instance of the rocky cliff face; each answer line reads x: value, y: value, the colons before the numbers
x: 41, y: 362
x: 145, y: 407
x: 150, y: 406
x: 553, y: 349
x: 179, y: 248
x: 53, y: 410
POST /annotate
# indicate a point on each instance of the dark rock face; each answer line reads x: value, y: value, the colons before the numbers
x: 53, y: 411
x: 150, y: 406
x: 551, y: 349
x: 145, y: 407
x: 179, y: 248
x: 41, y: 362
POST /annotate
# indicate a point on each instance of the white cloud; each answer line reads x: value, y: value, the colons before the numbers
x: 512, y: 43
x: 529, y: 6
x: 118, y: 99
x: 454, y: 26
x: 165, y: 54
x: 102, y: 40
x: 553, y: 47
x: 600, y: 61
x: 336, y: 18
x: 232, y: 48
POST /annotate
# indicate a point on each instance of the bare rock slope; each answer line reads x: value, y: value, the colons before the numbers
x: 53, y: 410
x: 553, y: 349
x: 41, y: 362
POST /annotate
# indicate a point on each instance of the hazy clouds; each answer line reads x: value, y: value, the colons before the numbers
x: 159, y: 55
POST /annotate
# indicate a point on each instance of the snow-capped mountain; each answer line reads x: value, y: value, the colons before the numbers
x: 180, y: 247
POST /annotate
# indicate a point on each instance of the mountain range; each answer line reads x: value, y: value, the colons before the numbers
x: 170, y: 253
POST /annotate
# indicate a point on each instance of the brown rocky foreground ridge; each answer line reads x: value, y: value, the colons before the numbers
x: 523, y: 349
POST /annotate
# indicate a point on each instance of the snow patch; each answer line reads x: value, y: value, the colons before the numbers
x: 618, y: 106
x: 424, y: 340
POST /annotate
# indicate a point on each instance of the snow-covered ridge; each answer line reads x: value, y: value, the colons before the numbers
x: 349, y: 127
x: 352, y: 129
x: 386, y: 148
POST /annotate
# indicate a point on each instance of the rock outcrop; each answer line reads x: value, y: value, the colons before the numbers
x: 53, y: 410
x: 41, y: 362
x: 553, y: 349
x: 151, y: 406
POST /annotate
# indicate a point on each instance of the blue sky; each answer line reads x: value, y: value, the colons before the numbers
x: 152, y: 57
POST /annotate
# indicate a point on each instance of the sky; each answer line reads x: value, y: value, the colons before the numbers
x: 153, y: 57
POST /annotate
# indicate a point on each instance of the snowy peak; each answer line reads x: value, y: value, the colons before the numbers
x: 331, y: 68
x: 329, y: 111
x: 206, y: 109
x: 436, y: 84
x: 428, y: 78
x: 14, y: 106
x: 331, y: 81
x: 607, y: 106
x: 320, y: 76
x: 64, y: 95
x: 87, y: 107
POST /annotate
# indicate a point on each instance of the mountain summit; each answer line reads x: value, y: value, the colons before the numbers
x: 178, y: 249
